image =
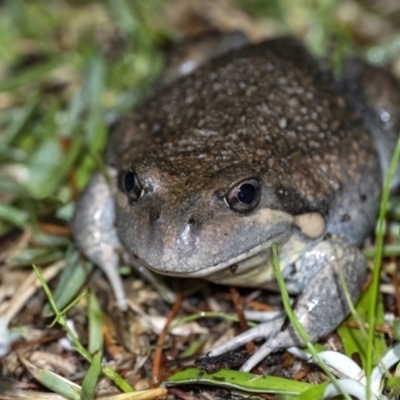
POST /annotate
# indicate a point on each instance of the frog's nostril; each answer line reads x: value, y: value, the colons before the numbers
x: 191, y: 221
x: 155, y: 216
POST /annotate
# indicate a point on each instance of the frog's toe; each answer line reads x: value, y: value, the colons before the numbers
x: 277, y: 341
x: 110, y: 268
x: 262, y: 331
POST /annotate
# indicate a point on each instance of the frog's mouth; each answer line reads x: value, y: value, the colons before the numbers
x: 232, y: 268
x: 235, y: 265
x: 220, y: 256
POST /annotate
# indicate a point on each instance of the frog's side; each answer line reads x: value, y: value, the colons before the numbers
x: 255, y: 147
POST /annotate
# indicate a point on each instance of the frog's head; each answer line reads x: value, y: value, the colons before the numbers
x: 201, y: 221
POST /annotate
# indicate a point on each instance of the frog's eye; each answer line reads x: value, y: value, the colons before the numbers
x: 131, y: 185
x: 245, y: 196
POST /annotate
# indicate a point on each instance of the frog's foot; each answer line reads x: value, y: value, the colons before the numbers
x: 320, y: 308
x: 262, y: 331
x: 95, y: 234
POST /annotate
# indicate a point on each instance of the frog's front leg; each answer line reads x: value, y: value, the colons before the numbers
x: 320, y: 308
x: 95, y: 233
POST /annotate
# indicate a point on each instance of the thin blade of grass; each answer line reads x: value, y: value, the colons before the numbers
x: 295, y: 322
x: 353, y: 339
x: 377, y: 264
x: 117, y: 379
x: 20, y: 118
x: 51, y: 240
x: 87, y: 98
x: 40, y: 255
x: 52, y: 381
x: 72, y: 279
x: 45, y: 287
x: 240, y: 381
x: 59, y: 173
x: 28, y: 287
x: 13, y: 215
x: 95, y: 330
x: 11, y: 188
x: 124, y: 17
x: 34, y: 74
x: 90, y: 381
x: 314, y: 393
x: 59, y: 317
x: 95, y: 87
x: 194, y: 346
x: 43, y: 161
x: 389, y: 250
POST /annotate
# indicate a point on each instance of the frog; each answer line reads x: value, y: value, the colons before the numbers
x: 259, y: 145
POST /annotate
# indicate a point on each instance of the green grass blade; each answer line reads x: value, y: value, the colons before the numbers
x: 236, y: 380
x: 73, y: 277
x: 35, y: 74
x: 55, y: 176
x: 21, y: 117
x: 117, y: 379
x: 353, y: 339
x: 91, y: 378
x: 54, y: 382
x: 40, y: 255
x: 59, y: 317
x: 194, y: 346
x: 95, y: 330
x: 15, y: 216
x: 389, y: 250
x: 95, y: 87
x: 294, y: 321
x: 377, y: 263
x: 314, y: 393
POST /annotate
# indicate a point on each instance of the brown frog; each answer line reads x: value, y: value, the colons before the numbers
x: 258, y: 146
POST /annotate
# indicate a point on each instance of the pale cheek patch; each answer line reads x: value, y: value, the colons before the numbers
x: 311, y: 224
x: 268, y: 217
x: 121, y: 200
